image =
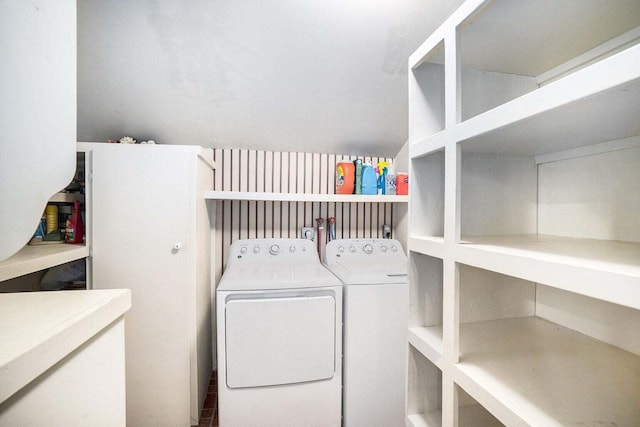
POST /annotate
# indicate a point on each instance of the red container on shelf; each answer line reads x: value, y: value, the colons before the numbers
x: 402, y: 184
x: 75, y: 228
x: 345, y: 177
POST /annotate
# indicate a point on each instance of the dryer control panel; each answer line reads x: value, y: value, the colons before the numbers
x: 281, y: 248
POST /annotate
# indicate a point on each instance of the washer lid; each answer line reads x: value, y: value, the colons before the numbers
x: 367, y: 261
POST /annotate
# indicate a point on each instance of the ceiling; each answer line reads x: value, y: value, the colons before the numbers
x: 324, y: 76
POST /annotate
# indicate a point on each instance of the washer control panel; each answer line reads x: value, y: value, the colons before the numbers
x: 362, y: 248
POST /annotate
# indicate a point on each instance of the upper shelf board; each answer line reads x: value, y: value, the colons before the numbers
x: 302, y: 197
x: 542, y: 33
x: 603, y: 269
x: 597, y: 104
x: 35, y: 258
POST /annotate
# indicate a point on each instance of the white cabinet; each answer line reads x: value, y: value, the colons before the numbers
x: 151, y: 234
x: 524, y: 235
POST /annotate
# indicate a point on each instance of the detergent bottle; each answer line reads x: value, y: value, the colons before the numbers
x: 345, y: 177
x: 358, y: 182
x: 75, y: 227
x: 391, y: 179
x: 382, y: 177
x: 369, y: 180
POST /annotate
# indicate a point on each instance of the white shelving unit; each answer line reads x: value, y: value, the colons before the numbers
x: 302, y: 197
x: 524, y: 234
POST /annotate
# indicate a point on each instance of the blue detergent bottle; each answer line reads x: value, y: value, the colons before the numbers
x: 369, y: 180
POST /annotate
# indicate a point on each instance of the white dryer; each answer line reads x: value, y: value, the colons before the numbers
x: 375, y: 314
x: 279, y: 324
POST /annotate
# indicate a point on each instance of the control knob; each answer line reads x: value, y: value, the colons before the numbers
x: 367, y: 249
x: 274, y: 249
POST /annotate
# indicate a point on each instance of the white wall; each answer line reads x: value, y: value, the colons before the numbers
x: 588, y: 196
x: 311, y: 76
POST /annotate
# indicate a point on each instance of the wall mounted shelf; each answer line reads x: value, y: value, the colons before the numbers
x: 302, y: 197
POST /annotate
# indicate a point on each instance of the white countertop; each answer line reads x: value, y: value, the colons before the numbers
x: 38, y: 329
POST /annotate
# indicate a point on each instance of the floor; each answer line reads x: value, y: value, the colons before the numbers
x: 209, y: 415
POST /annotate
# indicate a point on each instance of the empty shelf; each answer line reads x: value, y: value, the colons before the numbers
x: 607, y: 270
x: 539, y: 373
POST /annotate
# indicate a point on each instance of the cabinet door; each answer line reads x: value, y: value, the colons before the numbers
x: 141, y: 210
x: 37, y: 112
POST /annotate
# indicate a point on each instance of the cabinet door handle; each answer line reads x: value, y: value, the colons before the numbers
x: 177, y: 246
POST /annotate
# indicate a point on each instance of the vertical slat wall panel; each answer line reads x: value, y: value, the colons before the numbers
x: 260, y: 206
x: 268, y: 187
x: 301, y: 208
x: 266, y: 171
x: 355, y: 220
x: 306, y: 186
x: 276, y: 207
x: 252, y: 208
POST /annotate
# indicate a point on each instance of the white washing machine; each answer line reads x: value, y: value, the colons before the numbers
x: 279, y: 323
x: 375, y: 315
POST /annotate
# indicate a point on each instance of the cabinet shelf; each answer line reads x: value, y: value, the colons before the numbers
x: 429, y: 419
x: 540, y: 373
x: 35, y: 258
x: 428, y: 145
x: 302, y: 197
x: 428, y: 341
x: 66, y: 198
x: 606, y: 270
x: 468, y: 416
x: 427, y: 245
x: 596, y: 104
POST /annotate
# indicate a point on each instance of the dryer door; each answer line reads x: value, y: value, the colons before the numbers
x: 274, y: 341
